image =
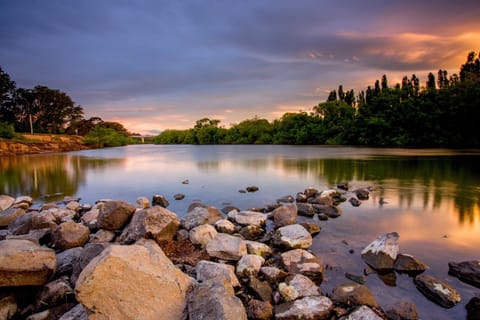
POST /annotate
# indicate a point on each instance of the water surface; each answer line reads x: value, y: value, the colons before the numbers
x: 432, y: 197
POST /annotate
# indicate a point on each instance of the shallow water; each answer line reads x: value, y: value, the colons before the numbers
x: 432, y: 197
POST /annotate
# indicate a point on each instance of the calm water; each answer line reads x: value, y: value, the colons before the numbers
x: 432, y: 195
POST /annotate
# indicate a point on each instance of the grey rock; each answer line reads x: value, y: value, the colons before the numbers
x: 292, y: 236
x: 207, y: 270
x: 226, y: 247
x: 76, y: 313
x: 225, y: 226
x: 90, y: 251
x: 66, y: 259
x: 362, y: 313
x: 215, y: 299
x: 305, y: 209
x: 437, y: 290
x: 30, y: 221
x: 245, y: 218
x: 54, y: 293
x: 382, y: 252
x: 308, y: 308
x: 199, y: 215
x: 286, y: 199
x: 303, y: 262
x: 249, y: 265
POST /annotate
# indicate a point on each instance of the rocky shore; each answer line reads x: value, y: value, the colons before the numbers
x: 41, y: 143
x: 118, y: 260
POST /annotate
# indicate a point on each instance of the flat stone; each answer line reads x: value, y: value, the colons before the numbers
x: 292, y: 236
x: 303, y: 262
x: 437, y: 290
x: 467, y: 271
x: 245, y: 218
x: 308, y: 308
x: 24, y: 263
x: 382, y: 252
x: 354, y: 294
x: 226, y: 247
x: 207, y: 270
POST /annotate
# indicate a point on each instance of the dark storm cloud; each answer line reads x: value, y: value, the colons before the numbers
x: 257, y: 55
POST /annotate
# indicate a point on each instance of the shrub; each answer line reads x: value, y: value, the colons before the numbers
x: 105, y: 137
x: 6, y: 130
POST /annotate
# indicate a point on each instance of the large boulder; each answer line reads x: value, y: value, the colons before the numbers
x: 113, y: 215
x: 24, y: 263
x: 215, y: 299
x: 382, y: 252
x: 437, y: 290
x: 207, y: 270
x: 467, y: 271
x: 308, y: 308
x: 285, y: 215
x: 6, y: 202
x: 226, y: 247
x: 293, y: 236
x: 31, y: 221
x: 133, y: 282
x: 303, y: 262
x: 199, y: 215
x: 90, y: 251
x: 155, y: 223
x: 354, y: 294
x: 70, y: 235
x: 9, y: 215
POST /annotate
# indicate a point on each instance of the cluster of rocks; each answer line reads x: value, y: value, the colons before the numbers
x: 117, y: 260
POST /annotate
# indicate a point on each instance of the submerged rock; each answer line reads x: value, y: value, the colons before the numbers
x: 467, y: 271
x: 437, y: 290
x: 382, y: 252
x: 354, y: 202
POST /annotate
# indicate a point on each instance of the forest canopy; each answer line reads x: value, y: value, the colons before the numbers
x: 444, y: 112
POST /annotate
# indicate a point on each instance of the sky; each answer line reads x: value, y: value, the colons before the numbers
x: 156, y: 65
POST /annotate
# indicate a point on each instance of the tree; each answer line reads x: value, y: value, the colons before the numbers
x: 332, y: 96
x: 8, y: 108
x: 384, y: 83
x: 341, y: 93
x: 431, y: 82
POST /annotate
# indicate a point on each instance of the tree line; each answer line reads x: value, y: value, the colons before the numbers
x: 443, y: 112
x: 46, y: 110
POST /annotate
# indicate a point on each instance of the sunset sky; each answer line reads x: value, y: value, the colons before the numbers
x: 153, y: 65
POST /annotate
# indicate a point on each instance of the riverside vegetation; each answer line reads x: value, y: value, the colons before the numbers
x: 116, y: 260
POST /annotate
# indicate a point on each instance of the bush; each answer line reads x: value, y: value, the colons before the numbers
x: 6, y: 130
x: 105, y: 137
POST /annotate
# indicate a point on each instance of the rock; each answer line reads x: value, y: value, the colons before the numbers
x: 6, y: 202
x: 249, y: 265
x: 362, y: 194
x: 114, y: 215
x: 437, y: 290
x: 362, y: 313
x: 286, y: 199
x: 155, y: 223
x: 354, y: 294
x: 225, y: 226
x: 251, y: 232
x: 261, y: 288
x: 303, y: 262
x: 329, y: 210
x: 102, y: 236
x: 473, y: 308
x: 259, y: 310
x: 207, y: 270
x: 23, y: 199
x: 76, y: 313
x: 8, y: 306
x: 322, y: 217
x: 301, y: 198
x: 159, y: 200
x: 69, y: 235
x: 402, y: 310
x: 143, y: 203
x: 24, y: 263
x: 285, y: 215
x: 90, y: 251
x: 406, y: 263
x: 303, y: 286
x: 229, y: 208
x: 179, y: 196
x: 38, y: 236
x: 61, y: 214
x: 312, y: 228
x: 360, y: 279
x: 467, y: 271
x: 201, y: 215
x: 52, y: 313
x: 252, y: 189
x: 292, y: 237
x: 382, y: 252
x: 288, y: 293
x: 9, y: 215
x: 246, y: 218
x: 273, y: 274
x: 202, y: 234
x: 73, y: 205
x: 90, y: 218
x: 54, y: 293
x: 31, y: 221
x: 322, y: 200
x: 258, y: 248
x: 310, y: 192
x: 66, y: 259
x: 132, y: 273
x: 215, y: 299
x: 308, y: 308
x: 343, y: 185
x: 354, y: 202
x: 305, y: 209
x: 226, y: 247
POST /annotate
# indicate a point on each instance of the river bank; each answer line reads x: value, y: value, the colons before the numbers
x: 225, y: 264
x: 41, y: 143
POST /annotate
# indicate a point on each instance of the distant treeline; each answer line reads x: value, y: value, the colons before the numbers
x: 444, y: 112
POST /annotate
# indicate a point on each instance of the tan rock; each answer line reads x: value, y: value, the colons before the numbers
x: 69, y: 235
x: 9, y: 215
x: 114, y: 214
x: 133, y: 282
x: 24, y: 263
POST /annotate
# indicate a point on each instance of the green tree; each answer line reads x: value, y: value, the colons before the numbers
x: 8, y: 109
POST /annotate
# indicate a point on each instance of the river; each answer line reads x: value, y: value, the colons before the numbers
x: 431, y: 197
